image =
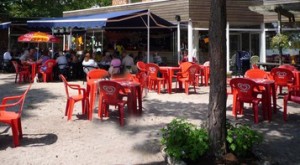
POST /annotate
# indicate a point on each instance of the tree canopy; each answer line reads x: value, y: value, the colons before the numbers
x: 46, y: 8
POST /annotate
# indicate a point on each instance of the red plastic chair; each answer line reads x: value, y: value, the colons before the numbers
x: 72, y: 99
x: 246, y: 92
x: 283, y: 78
x: 294, y: 96
x: 111, y: 93
x: 21, y: 72
x: 46, y: 70
x: 141, y: 66
x: 153, y: 79
x: 183, y: 68
x: 191, y: 77
x: 256, y: 73
x: 289, y: 67
x: 96, y: 74
x: 142, y: 78
x: 13, y: 118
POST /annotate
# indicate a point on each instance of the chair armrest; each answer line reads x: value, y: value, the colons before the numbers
x: 5, y: 99
x: 77, y: 87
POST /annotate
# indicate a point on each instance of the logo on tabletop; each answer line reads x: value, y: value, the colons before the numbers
x: 152, y: 69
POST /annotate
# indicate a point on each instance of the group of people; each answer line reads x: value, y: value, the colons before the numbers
x: 73, y: 65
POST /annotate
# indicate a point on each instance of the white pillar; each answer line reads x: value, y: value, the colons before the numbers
x: 64, y: 42
x: 70, y: 39
x: 52, y: 44
x: 178, y: 42
x: 8, y: 37
x: 190, y: 40
x: 227, y: 47
x: 262, y: 43
x: 196, y: 44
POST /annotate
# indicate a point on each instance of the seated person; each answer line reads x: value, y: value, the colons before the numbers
x: 28, y: 57
x: 62, y: 64
x: 105, y: 61
x: 42, y: 60
x: 157, y: 59
x: 115, y: 65
x: 88, y: 63
x: 127, y: 61
x: 7, y: 65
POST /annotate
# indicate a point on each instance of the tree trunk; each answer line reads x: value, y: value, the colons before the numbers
x: 217, y: 95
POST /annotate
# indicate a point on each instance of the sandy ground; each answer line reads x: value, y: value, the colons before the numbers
x: 50, y: 139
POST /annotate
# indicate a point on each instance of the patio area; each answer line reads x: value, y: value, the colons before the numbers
x: 50, y: 139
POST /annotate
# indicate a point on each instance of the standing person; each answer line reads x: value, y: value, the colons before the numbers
x: 157, y: 59
x: 88, y: 63
x: 127, y: 61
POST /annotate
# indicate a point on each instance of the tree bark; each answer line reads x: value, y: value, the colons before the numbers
x: 217, y: 96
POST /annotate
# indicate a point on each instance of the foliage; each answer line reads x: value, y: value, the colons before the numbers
x: 241, y: 139
x: 47, y: 8
x: 184, y: 140
x: 280, y: 41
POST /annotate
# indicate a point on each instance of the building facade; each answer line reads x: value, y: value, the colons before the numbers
x: 250, y: 23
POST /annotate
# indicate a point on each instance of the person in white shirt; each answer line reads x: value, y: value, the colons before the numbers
x: 7, y: 56
x: 62, y: 61
x: 88, y: 63
x: 127, y: 61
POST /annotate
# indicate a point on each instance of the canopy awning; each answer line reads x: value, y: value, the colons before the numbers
x: 119, y: 19
x: 5, y: 25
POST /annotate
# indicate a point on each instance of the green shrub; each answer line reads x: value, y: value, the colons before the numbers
x: 184, y: 140
x: 241, y: 139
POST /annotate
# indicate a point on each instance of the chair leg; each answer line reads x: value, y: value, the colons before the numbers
x: 14, y: 127
x: 67, y: 108
x: 20, y: 129
x: 70, y: 111
x: 255, y: 111
x: 186, y: 87
x: 285, y: 100
x: 83, y: 106
x: 121, y: 115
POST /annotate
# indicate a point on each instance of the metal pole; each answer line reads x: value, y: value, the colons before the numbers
x: 148, y: 36
x: 8, y: 33
x: 178, y: 42
x: 102, y: 44
x: 52, y: 44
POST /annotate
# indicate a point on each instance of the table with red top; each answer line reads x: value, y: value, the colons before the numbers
x: 33, y: 69
x: 205, y: 72
x: 269, y: 86
x: 170, y: 72
x: 135, y: 94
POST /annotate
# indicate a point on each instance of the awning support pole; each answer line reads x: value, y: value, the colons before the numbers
x: 148, y: 36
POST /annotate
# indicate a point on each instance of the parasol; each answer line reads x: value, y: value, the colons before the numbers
x: 38, y: 37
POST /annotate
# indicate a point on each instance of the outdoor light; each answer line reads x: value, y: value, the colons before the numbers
x: 177, y: 18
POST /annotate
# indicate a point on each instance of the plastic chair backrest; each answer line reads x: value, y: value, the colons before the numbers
x: 66, y: 84
x: 289, y: 67
x: 97, y: 74
x: 152, y: 70
x: 141, y: 66
x: 245, y: 88
x: 282, y: 76
x: 142, y: 79
x: 184, y: 67
x: 16, y: 66
x: 256, y: 73
x: 192, y: 71
x: 19, y: 103
x: 110, y: 91
x: 49, y: 64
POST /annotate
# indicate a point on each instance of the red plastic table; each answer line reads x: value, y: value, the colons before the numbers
x: 170, y: 72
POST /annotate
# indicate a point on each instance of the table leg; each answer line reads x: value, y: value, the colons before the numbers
x: 91, y: 90
x: 268, y: 102
x: 139, y: 90
x: 170, y: 80
x: 274, y: 97
x: 133, y: 99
